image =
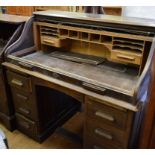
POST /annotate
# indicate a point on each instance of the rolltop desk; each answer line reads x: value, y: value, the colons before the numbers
x: 11, y: 27
x: 100, y: 64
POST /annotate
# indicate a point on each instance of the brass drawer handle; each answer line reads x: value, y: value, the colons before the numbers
x: 22, y: 97
x: 93, y: 87
x: 56, y: 75
x: 24, y: 110
x: 105, y: 116
x: 17, y: 82
x: 125, y: 57
x: 27, y: 66
x: 25, y: 125
x: 103, y: 134
x: 96, y: 147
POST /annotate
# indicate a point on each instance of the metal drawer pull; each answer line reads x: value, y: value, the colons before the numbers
x: 93, y: 87
x: 105, y: 116
x: 22, y: 97
x: 96, y: 147
x: 24, y: 110
x: 17, y: 82
x: 103, y: 134
x: 27, y: 66
x: 25, y: 125
x: 125, y: 57
x: 56, y: 75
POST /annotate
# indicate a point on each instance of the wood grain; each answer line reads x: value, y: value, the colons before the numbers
x: 110, y: 101
x: 13, y: 18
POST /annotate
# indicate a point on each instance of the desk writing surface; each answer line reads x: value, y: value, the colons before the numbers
x: 101, y: 76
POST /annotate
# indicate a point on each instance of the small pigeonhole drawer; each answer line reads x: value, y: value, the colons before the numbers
x: 126, y: 57
x: 19, y: 81
x: 51, y: 41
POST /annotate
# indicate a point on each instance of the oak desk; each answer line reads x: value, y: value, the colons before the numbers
x: 98, y: 62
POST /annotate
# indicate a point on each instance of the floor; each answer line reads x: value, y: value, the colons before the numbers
x: 17, y: 140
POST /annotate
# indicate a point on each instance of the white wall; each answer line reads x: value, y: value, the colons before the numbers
x: 139, y: 11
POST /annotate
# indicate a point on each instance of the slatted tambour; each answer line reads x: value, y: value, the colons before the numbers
x: 77, y: 57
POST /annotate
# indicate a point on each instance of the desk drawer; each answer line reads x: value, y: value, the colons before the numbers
x: 106, y: 114
x: 19, y: 81
x: 24, y: 103
x: 105, y: 134
x: 91, y: 142
x: 56, y: 42
x: 126, y: 57
x: 26, y: 126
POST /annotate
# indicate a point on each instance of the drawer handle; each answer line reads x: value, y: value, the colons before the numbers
x: 25, y: 125
x: 125, y: 57
x: 24, y: 110
x: 27, y: 66
x: 93, y: 87
x: 22, y: 97
x: 56, y: 75
x: 105, y: 116
x: 96, y: 147
x: 17, y: 82
x: 103, y: 134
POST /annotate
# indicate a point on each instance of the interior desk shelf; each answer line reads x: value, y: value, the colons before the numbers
x: 125, y: 48
x: 88, y: 37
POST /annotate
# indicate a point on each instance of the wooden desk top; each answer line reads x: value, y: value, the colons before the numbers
x: 109, y: 100
x: 13, y: 18
x: 98, y: 75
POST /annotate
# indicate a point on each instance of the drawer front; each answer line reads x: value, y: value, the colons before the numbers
x: 24, y: 103
x: 106, y: 134
x: 26, y: 126
x: 126, y: 57
x: 19, y: 81
x: 91, y: 142
x: 106, y: 114
x: 51, y: 41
